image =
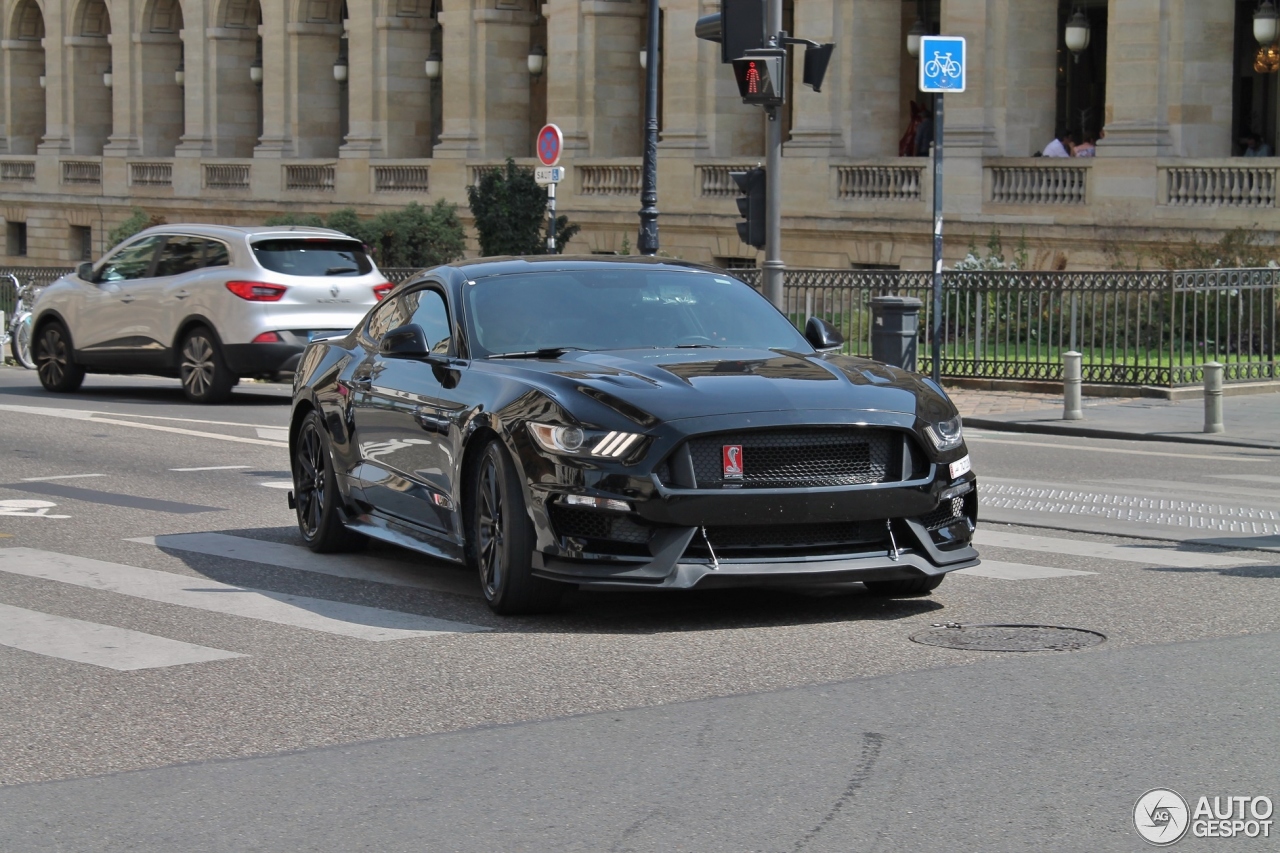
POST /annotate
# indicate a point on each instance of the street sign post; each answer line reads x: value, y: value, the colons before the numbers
x: 943, y: 61
x: 546, y: 175
x: 549, y: 143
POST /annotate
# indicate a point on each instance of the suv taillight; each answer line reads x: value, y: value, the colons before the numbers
x: 256, y: 291
x: 381, y: 290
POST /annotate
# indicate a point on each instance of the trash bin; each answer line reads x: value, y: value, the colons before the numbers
x: 895, y: 330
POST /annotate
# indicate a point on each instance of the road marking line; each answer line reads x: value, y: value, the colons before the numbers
x: 92, y: 417
x: 1145, y: 554
x: 277, y: 484
x: 297, y: 611
x: 212, y: 468
x: 1017, y: 571
x: 1062, y: 446
x: 183, y: 420
x: 443, y: 579
x: 1254, y: 478
x: 60, y: 477
x: 273, y: 433
x: 99, y: 645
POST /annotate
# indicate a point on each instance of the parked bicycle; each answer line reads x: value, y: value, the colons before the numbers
x: 18, y: 333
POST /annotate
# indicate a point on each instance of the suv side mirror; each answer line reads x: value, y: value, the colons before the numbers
x: 405, y: 342
x: 824, y: 336
x: 85, y: 271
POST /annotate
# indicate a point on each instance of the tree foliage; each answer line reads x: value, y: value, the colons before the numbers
x: 414, y: 236
x: 510, y: 211
x: 138, y: 220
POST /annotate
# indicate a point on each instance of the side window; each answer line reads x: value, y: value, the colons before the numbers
x: 180, y: 255
x: 216, y: 254
x: 430, y: 313
x: 133, y: 261
x: 390, y: 314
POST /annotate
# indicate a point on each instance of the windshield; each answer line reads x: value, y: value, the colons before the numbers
x: 622, y: 308
x: 313, y: 257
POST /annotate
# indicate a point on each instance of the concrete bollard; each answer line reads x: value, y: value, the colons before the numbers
x: 1213, y: 397
x: 1071, y: 387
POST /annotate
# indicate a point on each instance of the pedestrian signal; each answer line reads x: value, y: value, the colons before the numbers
x: 759, y: 75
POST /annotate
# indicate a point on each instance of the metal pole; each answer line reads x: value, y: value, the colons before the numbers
x: 937, y: 238
x: 647, y: 244
x: 551, y: 219
x: 1071, y: 373
x: 1213, y: 397
x: 773, y: 266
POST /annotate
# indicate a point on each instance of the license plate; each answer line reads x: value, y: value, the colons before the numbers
x: 960, y: 467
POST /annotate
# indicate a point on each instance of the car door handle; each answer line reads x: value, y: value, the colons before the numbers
x: 182, y: 294
x: 432, y: 422
x: 126, y: 299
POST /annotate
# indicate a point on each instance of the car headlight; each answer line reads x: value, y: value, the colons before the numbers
x: 576, y: 441
x: 946, y: 435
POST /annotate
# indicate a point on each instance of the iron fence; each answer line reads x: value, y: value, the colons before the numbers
x: 1133, y: 328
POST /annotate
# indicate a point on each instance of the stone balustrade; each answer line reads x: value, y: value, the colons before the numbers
x: 1221, y: 183
x: 401, y: 178
x: 605, y: 179
x: 893, y: 181
x: 82, y: 172
x: 18, y: 171
x: 313, y: 177
x: 151, y: 174
x: 1038, y: 181
x: 714, y: 181
x: 226, y: 176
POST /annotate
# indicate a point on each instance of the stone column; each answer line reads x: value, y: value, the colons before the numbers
x: 1137, y: 113
x: 1022, y: 75
x: 568, y: 52
x: 686, y: 64
x: 462, y: 97
x: 58, y: 66
x: 89, y: 101
x: 316, y: 108
x: 279, y: 98
x: 229, y: 108
x: 1200, y: 70
x: 390, y: 96
x: 154, y: 116
x: 24, y: 118
x: 613, y: 33
x: 970, y: 133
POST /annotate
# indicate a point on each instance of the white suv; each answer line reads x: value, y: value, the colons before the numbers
x: 206, y: 303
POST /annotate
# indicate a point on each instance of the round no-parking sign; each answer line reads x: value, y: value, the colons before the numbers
x: 550, y: 141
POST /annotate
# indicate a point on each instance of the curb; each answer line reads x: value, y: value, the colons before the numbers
x: 1091, y: 432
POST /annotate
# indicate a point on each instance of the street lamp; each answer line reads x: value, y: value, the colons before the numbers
x: 43, y: 81
x: 108, y: 78
x: 647, y: 241
x: 180, y: 74
x: 433, y: 65
x: 537, y: 60
x: 1077, y: 33
x: 255, y: 71
x: 340, y: 68
x: 1266, y: 23
x: 644, y: 57
x: 918, y: 29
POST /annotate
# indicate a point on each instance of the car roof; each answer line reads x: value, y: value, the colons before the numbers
x: 481, y: 267
x: 232, y: 232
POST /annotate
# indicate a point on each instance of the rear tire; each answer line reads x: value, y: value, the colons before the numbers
x: 905, y: 588
x: 502, y: 539
x: 55, y: 360
x: 315, y: 489
x: 20, y: 344
x: 204, y: 373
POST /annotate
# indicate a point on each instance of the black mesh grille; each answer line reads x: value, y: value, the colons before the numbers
x: 841, y: 456
x: 593, y: 524
x: 817, y: 535
x: 946, y: 513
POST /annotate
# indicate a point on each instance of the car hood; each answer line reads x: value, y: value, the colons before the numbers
x: 652, y: 385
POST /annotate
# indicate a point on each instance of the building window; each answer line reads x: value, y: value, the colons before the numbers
x: 16, y: 234
x: 1082, y: 79
x: 735, y: 263
x: 81, y: 243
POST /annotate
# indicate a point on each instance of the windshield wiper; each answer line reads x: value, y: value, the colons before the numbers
x: 545, y: 352
x: 696, y: 346
x: 340, y: 270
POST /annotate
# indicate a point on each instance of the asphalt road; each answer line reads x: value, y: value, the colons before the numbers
x: 179, y: 674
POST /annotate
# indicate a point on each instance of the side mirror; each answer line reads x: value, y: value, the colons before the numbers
x: 405, y: 342
x: 85, y: 271
x: 824, y: 336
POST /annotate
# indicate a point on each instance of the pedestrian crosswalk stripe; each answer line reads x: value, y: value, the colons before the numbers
x: 1145, y: 554
x: 440, y: 578
x: 1017, y: 571
x: 314, y: 614
x: 99, y: 645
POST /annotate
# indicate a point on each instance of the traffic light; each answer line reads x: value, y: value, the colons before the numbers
x: 738, y: 27
x: 816, y: 60
x: 759, y: 75
x: 751, y: 205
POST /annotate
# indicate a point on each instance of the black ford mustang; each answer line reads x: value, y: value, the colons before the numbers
x: 624, y: 423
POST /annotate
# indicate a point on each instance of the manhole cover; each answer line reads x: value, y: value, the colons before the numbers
x: 1009, y: 638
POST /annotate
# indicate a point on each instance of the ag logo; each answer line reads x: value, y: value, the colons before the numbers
x: 1161, y: 816
x: 733, y: 461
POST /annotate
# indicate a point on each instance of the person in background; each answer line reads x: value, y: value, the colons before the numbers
x: 1088, y: 148
x: 924, y: 134
x: 907, y: 145
x: 1060, y: 146
x: 1254, y: 146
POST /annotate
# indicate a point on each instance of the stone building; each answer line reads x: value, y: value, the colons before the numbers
x: 234, y: 110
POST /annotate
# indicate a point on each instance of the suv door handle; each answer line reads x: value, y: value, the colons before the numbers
x: 182, y: 294
x: 127, y: 298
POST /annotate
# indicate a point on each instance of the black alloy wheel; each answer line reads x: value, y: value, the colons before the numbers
x: 54, y: 360
x: 205, y: 375
x: 905, y: 588
x: 315, y: 489
x: 502, y: 539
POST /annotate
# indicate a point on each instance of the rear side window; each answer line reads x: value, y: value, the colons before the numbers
x: 313, y: 257
x: 180, y: 255
x: 216, y: 254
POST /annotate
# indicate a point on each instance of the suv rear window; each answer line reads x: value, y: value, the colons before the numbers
x: 313, y: 257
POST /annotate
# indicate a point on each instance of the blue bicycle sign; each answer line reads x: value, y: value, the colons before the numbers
x: 942, y: 64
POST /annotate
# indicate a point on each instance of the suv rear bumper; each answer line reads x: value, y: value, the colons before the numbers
x: 258, y: 359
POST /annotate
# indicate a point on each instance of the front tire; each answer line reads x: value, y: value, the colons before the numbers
x: 316, y: 495
x: 502, y: 539
x: 20, y: 344
x: 205, y: 375
x: 905, y: 588
x: 55, y: 360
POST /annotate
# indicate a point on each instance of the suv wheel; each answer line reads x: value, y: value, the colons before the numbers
x: 55, y: 360
x: 205, y: 375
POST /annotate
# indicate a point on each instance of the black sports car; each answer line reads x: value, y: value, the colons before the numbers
x: 628, y: 423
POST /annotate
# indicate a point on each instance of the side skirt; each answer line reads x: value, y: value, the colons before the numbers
x: 396, y: 532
